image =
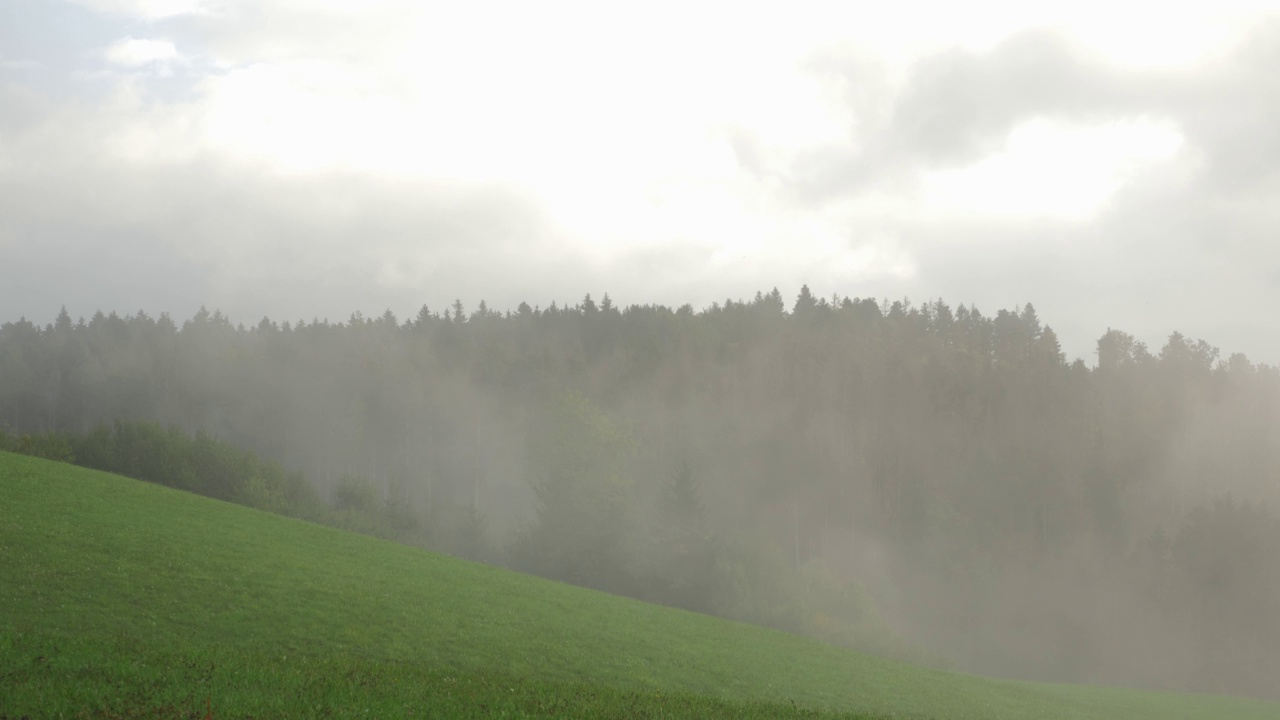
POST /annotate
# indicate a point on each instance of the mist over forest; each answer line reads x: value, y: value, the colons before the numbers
x: 919, y: 480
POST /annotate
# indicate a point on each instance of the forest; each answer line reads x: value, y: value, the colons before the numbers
x: 916, y: 480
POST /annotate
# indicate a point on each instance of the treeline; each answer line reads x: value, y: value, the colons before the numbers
x: 203, y: 465
x: 804, y: 466
x: 682, y: 565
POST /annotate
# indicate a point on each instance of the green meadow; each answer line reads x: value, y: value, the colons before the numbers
x: 123, y: 599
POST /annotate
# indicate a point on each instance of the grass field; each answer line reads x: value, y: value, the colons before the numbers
x: 123, y: 599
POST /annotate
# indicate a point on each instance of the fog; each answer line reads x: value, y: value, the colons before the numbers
x: 933, y: 484
x: 202, y: 197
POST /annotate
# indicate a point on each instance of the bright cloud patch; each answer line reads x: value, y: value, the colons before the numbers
x: 149, y: 10
x: 1053, y: 168
x: 134, y: 52
x: 629, y: 135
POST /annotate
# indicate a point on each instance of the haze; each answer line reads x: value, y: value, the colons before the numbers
x: 944, y: 333
x: 1114, y: 163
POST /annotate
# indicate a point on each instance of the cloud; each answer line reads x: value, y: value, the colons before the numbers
x: 91, y: 220
x: 1040, y: 171
x: 7, y: 64
x: 317, y: 158
x: 135, y: 52
x: 956, y: 108
x: 149, y: 10
x: 1054, y: 168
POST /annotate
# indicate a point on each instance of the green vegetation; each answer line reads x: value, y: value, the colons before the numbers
x: 582, y: 522
x: 915, y: 480
x: 120, y: 599
x: 168, y: 456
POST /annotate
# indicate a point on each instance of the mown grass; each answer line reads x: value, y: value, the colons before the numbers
x: 74, y: 678
x: 123, y: 599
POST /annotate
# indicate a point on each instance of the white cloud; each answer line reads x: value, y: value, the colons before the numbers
x: 1054, y: 168
x: 147, y: 10
x: 673, y: 152
x: 7, y: 64
x: 137, y: 52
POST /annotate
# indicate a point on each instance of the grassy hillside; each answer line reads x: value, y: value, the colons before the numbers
x: 129, y: 599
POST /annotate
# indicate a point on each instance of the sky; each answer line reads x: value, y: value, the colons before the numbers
x: 1115, y: 164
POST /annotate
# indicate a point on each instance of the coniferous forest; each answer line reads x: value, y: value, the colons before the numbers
x: 912, y: 479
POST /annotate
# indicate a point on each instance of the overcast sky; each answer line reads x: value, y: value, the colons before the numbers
x: 1115, y: 165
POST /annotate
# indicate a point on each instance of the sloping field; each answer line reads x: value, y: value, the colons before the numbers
x: 123, y: 599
